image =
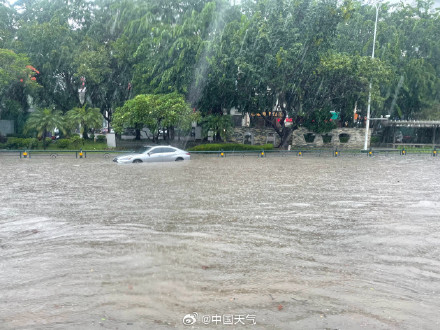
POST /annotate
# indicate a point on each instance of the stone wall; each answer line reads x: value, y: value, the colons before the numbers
x: 356, y: 138
x: 255, y: 136
x: 259, y: 136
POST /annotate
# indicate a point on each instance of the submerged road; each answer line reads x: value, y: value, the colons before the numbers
x: 282, y: 242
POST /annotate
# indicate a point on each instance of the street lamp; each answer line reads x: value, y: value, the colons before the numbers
x: 367, y: 124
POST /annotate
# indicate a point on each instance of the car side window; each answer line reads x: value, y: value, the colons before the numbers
x: 155, y: 151
x: 167, y: 150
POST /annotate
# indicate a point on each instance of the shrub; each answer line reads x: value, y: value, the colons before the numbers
x: 101, y: 139
x: 34, y: 143
x: 309, y: 137
x: 343, y: 138
x: 326, y: 138
x: 63, y: 143
x: 375, y: 139
x: 230, y: 147
x: 14, y: 143
x: 30, y: 143
x: 319, y: 121
x: 75, y: 141
x: 21, y: 143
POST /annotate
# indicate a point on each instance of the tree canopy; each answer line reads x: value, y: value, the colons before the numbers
x: 294, y: 57
x: 154, y: 111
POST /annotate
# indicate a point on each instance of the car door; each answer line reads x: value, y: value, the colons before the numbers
x: 168, y: 154
x: 153, y: 155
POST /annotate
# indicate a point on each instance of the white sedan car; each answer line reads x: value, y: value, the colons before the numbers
x: 154, y: 154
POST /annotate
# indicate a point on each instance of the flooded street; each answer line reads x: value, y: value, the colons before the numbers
x: 283, y: 242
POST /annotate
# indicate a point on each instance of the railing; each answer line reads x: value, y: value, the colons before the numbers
x: 314, y: 152
x: 56, y: 153
x: 232, y: 153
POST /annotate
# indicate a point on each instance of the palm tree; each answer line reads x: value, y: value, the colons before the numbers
x: 44, y: 121
x: 86, y: 118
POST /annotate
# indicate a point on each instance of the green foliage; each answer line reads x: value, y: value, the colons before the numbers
x: 348, y: 78
x: 292, y: 56
x: 17, y: 81
x: 309, y: 137
x: 47, y: 141
x: 319, y: 121
x: 43, y: 121
x: 101, y: 139
x: 230, y: 147
x: 63, y: 143
x: 75, y: 141
x: 155, y: 111
x: 343, y: 138
x: 220, y: 125
x: 374, y: 139
x: 21, y: 143
x: 326, y: 138
x: 87, y: 118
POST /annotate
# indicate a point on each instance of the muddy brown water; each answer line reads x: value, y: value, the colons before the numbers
x: 285, y: 242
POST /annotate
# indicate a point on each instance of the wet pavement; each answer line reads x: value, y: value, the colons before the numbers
x: 283, y: 242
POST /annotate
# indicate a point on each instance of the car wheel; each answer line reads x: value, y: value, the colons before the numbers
x: 179, y: 159
x: 137, y: 161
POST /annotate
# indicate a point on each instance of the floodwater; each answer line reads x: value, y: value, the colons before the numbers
x: 283, y: 242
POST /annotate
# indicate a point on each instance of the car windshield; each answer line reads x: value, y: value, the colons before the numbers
x: 142, y: 150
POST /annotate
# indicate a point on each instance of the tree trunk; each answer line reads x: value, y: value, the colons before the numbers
x: 44, y: 139
x: 285, y: 137
x: 138, y: 134
x: 84, y: 135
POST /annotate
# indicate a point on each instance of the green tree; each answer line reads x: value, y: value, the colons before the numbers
x: 271, y: 54
x: 17, y: 82
x: 51, y: 48
x: 346, y: 81
x: 44, y: 121
x: 319, y: 121
x: 7, y: 28
x: 85, y: 117
x: 407, y: 44
x: 220, y: 125
x: 154, y: 111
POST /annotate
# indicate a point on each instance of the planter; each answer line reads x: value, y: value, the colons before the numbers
x: 343, y: 138
x: 326, y: 138
x: 309, y: 137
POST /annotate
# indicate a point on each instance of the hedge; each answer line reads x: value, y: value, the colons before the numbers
x: 230, y: 147
x: 21, y: 143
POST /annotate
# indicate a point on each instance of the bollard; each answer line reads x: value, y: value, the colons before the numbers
x: 434, y: 152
